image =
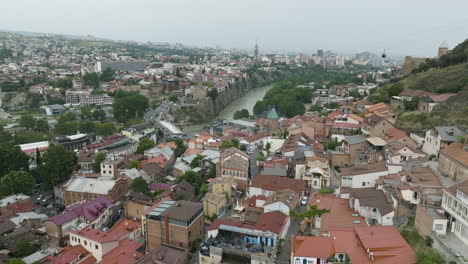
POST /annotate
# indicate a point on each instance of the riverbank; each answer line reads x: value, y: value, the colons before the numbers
x: 247, y: 101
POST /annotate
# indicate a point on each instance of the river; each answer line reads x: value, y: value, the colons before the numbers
x: 247, y: 101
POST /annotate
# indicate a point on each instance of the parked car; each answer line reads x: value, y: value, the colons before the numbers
x: 304, y: 200
x: 307, y: 193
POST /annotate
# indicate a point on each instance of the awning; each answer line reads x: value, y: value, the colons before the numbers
x: 239, y: 208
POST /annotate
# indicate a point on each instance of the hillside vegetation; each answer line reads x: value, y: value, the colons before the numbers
x: 447, y: 74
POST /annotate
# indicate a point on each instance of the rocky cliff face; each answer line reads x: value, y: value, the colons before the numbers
x: 205, y: 112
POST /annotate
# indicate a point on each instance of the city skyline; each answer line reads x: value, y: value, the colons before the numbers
x: 345, y: 28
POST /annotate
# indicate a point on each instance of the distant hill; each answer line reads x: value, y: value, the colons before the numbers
x: 447, y: 74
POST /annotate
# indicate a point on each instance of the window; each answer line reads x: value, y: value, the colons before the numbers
x: 85, y: 242
x: 439, y: 227
x: 363, y: 184
x: 298, y: 261
x: 96, y: 246
x: 374, y: 210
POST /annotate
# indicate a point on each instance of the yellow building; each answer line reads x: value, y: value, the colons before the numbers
x: 214, y: 204
x: 222, y: 185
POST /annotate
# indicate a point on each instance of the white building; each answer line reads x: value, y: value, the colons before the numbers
x: 439, y: 137
x: 363, y: 176
x: 455, y: 203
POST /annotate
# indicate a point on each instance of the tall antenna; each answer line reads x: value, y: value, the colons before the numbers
x: 256, y: 50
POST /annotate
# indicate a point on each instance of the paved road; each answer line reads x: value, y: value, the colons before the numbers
x: 285, y: 254
x: 253, y: 163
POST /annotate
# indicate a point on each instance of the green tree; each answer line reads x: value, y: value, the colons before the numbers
x: 204, y: 189
x: 87, y: 126
x: 57, y: 164
x: 100, y: 157
x: 244, y: 113
x: 173, y: 98
x: 227, y: 144
x: 411, y: 105
x: 16, y: 261
x: 105, y: 130
x: 130, y: 107
x: 213, y: 93
x: 17, y: 182
x: 91, y: 79
x: 27, y: 121
x: 66, y: 127
x: 332, y: 105
x: 29, y: 136
x: 180, y: 145
x: 24, y: 248
x: 429, y: 256
x: 312, y: 212
x: 144, y: 144
x: 259, y: 108
x: 195, y: 161
x: 140, y: 185
x: 42, y: 125
x: 99, y: 115
x: 12, y: 159
x: 107, y: 75
x: 134, y: 164
x: 86, y: 112
x: 212, y: 172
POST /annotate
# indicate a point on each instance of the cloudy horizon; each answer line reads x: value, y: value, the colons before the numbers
x: 413, y: 28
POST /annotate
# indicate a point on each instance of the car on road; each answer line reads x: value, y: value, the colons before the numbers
x: 304, y: 200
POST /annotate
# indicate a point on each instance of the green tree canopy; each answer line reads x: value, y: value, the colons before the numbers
x: 107, y: 75
x: 17, y: 182
x: 16, y: 261
x: 24, y: 248
x: 144, y: 144
x: 27, y: 121
x: 57, y: 164
x: 12, y: 159
x: 91, y: 79
x: 100, y: 157
x: 260, y: 108
x: 312, y: 212
x: 105, y: 129
x: 227, y: 144
x: 244, y: 113
x: 140, y: 185
x: 130, y: 106
x: 194, y: 162
x: 429, y: 256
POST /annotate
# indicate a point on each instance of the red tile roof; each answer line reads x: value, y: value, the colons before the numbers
x: 96, y: 235
x: 125, y: 253
x: 124, y: 227
x: 386, y: 244
x: 341, y: 215
x: 160, y: 160
x: 272, y: 221
x: 69, y: 254
x: 276, y: 183
x: 312, y: 247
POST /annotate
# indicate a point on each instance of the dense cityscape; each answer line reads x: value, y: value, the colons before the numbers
x: 123, y: 152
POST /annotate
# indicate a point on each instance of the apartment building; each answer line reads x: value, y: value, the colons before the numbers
x: 177, y: 223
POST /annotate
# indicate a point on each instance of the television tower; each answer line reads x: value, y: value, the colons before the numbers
x: 256, y: 51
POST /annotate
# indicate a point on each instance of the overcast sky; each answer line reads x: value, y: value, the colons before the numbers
x: 403, y: 27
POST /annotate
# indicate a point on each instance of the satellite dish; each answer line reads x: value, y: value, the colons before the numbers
x: 384, y: 55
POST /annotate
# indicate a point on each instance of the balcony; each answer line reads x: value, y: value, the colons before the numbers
x: 233, y: 244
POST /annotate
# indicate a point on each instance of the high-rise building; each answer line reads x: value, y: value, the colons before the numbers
x: 256, y: 52
x: 320, y: 53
